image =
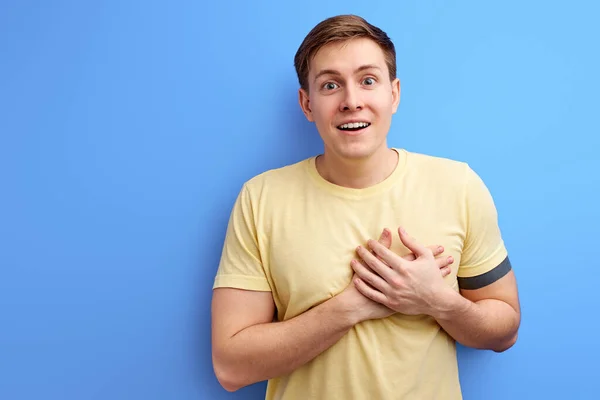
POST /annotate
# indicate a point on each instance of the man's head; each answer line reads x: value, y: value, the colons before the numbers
x: 340, y: 29
x: 348, y: 86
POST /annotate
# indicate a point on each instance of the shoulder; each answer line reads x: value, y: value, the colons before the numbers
x: 439, y: 170
x: 281, y: 179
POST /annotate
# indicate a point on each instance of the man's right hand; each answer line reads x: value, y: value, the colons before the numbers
x: 248, y: 347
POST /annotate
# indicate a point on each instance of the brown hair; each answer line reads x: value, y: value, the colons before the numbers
x: 338, y: 29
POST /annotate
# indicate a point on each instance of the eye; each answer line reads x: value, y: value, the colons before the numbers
x: 369, y: 81
x: 330, y: 86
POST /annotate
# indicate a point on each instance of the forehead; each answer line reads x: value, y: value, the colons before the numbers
x: 345, y: 57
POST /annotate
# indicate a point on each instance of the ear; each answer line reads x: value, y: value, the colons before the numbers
x: 395, y: 94
x: 304, y: 101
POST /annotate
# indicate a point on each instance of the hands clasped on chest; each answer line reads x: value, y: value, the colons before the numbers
x: 385, y: 283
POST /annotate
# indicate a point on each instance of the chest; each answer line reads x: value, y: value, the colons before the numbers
x: 309, y: 250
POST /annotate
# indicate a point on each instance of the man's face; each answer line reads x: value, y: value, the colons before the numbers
x: 351, y: 99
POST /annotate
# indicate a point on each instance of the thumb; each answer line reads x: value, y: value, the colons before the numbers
x: 386, y: 238
x: 417, y: 249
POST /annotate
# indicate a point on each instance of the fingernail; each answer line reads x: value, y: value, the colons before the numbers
x: 402, y: 230
x: 440, y: 249
x: 450, y: 259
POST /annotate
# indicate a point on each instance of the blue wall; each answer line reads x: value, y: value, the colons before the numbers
x: 127, y: 129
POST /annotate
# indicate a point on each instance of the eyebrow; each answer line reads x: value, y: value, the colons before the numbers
x: 334, y: 72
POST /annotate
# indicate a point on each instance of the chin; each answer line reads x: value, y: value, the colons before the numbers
x: 356, y: 151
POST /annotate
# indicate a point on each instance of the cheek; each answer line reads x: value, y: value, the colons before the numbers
x: 324, y: 110
x: 383, y: 104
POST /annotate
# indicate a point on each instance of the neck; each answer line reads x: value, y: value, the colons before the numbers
x: 357, y: 173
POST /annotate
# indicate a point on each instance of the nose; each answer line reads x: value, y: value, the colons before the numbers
x: 351, y: 100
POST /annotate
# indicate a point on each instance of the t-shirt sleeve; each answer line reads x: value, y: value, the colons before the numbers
x: 484, y: 253
x: 240, y: 265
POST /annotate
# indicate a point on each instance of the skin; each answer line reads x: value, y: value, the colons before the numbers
x: 486, y: 318
x: 346, y: 84
x: 350, y: 81
x: 247, y: 345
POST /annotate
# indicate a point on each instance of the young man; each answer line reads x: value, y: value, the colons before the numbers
x: 304, y: 296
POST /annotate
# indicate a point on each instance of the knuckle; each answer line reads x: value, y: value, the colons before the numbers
x: 393, y: 303
x: 396, y: 282
x: 400, y: 268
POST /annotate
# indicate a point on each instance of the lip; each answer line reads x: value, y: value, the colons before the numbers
x: 351, y: 121
x: 353, y: 133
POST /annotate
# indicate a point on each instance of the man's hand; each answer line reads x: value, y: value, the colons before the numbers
x: 386, y: 240
x: 401, y: 284
x: 361, y: 308
x: 364, y: 308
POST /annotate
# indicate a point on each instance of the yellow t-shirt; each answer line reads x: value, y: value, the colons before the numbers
x: 293, y: 233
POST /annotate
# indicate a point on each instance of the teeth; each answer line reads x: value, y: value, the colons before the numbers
x: 354, y: 125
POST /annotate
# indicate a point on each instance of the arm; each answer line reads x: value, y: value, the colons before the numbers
x: 484, y: 318
x: 487, y: 315
x: 248, y: 347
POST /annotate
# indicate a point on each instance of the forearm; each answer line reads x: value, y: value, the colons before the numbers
x: 487, y: 324
x: 269, y: 350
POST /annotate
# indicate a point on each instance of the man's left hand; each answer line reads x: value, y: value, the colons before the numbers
x: 409, y: 287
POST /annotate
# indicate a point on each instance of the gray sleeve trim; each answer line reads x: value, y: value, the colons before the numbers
x: 477, y: 282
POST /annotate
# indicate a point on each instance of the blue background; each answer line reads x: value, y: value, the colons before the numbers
x: 127, y: 129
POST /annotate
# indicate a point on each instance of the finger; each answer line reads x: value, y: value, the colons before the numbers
x: 369, y: 277
x: 443, y: 262
x: 385, y: 256
x: 418, y: 249
x: 445, y: 271
x: 369, y: 292
x: 409, y: 257
x: 386, y: 238
x: 436, y: 250
x: 374, y: 263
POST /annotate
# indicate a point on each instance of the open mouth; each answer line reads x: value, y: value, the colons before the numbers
x: 354, y: 126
